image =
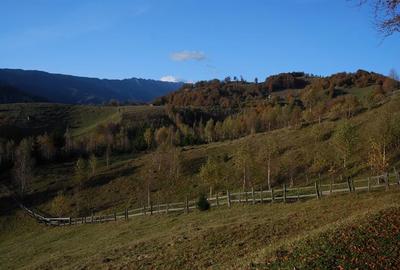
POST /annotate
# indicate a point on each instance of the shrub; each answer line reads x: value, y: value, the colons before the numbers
x: 59, y: 205
x: 202, y: 203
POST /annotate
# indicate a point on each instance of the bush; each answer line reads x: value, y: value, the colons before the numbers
x: 202, y: 203
x: 59, y: 205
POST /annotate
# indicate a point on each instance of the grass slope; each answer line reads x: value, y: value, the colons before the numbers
x: 219, y: 239
x: 31, y: 119
x: 372, y: 244
x: 123, y: 184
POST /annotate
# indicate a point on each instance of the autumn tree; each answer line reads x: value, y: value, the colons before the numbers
x: 345, y: 141
x: 59, y: 205
x: 267, y: 153
x: 243, y: 161
x: 46, y: 146
x: 212, y: 173
x: 23, y: 165
x: 383, y: 138
x: 93, y: 164
x: 209, y: 130
x: 68, y: 141
x: 290, y: 165
x: 161, y: 135
x: 10, y: 150
x: 81, y: 175
x: 148, y: 137
x: 107, y: 155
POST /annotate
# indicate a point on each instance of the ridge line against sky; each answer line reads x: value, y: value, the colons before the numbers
x: 190, y: 40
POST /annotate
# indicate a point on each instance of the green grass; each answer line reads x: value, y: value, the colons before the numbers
x: 218, y: 239
x: 361, y: 93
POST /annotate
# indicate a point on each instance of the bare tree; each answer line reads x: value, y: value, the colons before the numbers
x: 387, y: 15
x: 393, y: 74
x: 108, y: 153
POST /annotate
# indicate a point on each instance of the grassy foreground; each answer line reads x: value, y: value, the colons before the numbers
x: 219, y: 239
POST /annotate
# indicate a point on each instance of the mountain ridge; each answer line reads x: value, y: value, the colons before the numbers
x: 64, y: 88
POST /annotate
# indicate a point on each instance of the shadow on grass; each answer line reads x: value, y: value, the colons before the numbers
x: 105, y: 178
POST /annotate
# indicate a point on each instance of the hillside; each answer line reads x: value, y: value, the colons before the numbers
x: 9, y: 94
x: 238, y: 93
x: 58, y: 88
x: 115, y: 157
x: 125, y: 182
x: 33, y: 119
x: 219, y: 239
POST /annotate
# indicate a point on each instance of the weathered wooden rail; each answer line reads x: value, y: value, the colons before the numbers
x: 227, y: 198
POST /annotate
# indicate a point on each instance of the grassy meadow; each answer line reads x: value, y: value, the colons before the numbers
x: 219, y: 239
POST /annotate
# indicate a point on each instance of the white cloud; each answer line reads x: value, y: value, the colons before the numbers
x: 188, y: 55
x: 169, y: 78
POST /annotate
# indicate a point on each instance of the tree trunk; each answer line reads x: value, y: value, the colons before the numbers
x: 269, y: 173
x: 148, y: 195
x: 244, y: 178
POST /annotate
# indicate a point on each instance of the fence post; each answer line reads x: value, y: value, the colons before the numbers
x: 228, y: 197
x: 151, y: 208
x: 353, y: 186
x: 321, y: 193
x: 298, y: 194
x: 369, y: 183
x: 240, y: 197
x: 284, y: 192
x: 217, y: 199
x: 126, y: 213
x: 70, y: 222
x: 387, y: 181
x: 91, y: 221
x: 115, y: 216
x: 261, y: 195
x: 397, y: 175
x: 246, y: 196
x: 331, y: 187
x: 252, y: 195
x: 317, y: 190
x: 349, y: 184
x: 186, y: 205
x: 272, y: 195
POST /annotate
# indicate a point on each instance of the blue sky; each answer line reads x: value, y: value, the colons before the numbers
x: 192, y: 39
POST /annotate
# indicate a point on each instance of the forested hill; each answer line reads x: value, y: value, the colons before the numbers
x: 238, y: 92
x: 77, y: 90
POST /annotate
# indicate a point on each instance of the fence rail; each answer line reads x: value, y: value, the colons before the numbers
x: 227, y: 198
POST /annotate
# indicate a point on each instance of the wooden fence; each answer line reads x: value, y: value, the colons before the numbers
x: 227, y: 198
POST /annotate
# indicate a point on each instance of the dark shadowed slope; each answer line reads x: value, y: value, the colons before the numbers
x: 72, y: 89
x: 9, y: 94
